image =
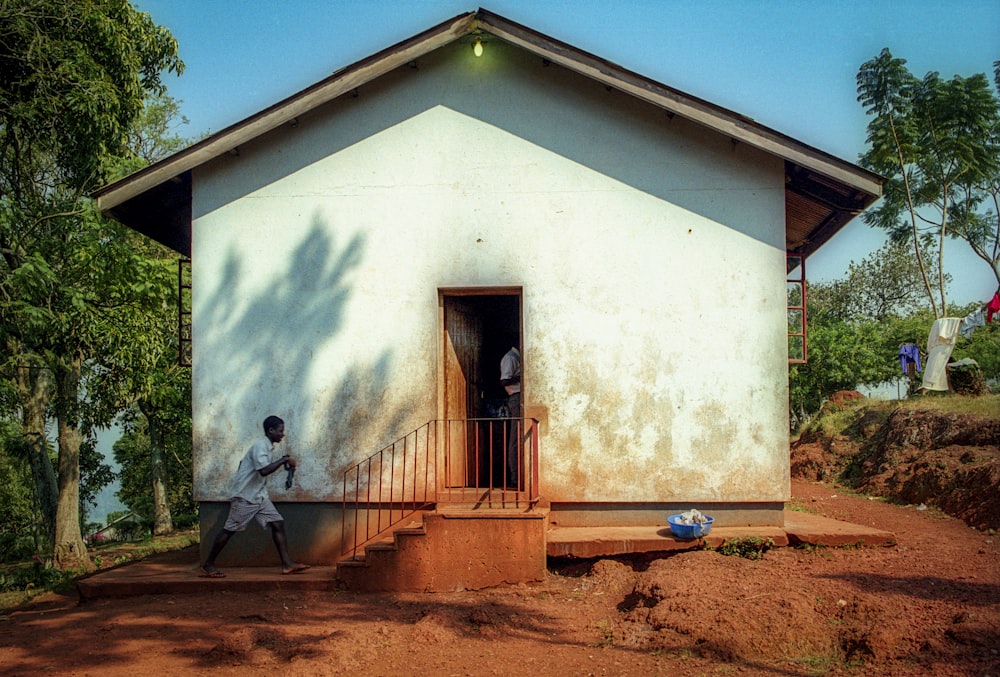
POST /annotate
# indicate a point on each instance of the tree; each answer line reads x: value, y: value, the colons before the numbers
x: 73, y: 80
x: 166, y: 408
x: 936, y: 141
x: 887, y: 283
x: 161, y: 395
x: 133, y: 453
x: 977, y: 202
x: 154, y: 135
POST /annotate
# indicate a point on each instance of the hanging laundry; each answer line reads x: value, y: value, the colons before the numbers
x: 909, y: 354
x: 993, y: 306
x: 940, y: 343
x: 970, y: 322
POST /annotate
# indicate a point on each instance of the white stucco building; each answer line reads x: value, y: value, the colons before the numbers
x: 365, y: 251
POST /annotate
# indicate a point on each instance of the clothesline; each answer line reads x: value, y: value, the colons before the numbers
x: 980, y: 316
x: 940, y: 343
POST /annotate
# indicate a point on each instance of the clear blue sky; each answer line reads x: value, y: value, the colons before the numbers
x: 789, y: 64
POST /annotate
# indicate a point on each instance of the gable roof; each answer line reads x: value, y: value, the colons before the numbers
x: 822, y: 192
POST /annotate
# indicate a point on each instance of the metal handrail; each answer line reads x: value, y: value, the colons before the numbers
x: 443, y: 461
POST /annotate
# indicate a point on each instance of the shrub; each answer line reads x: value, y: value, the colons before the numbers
x: 750, y: 547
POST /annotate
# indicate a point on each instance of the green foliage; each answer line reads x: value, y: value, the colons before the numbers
x: 36, y: 575
x: 153, y: 136
x: 983, y: 346
x: 186, y: 520
x: 95, y: 474
x: 938, y: 143
x: 842, y: 355
x: 857, y: 324
x: 132, y: 452
x: 76, y: 294
x: 748, y: 547
x: 885, y: 284
x: 17, y: 529
x: 73, y: 77
x: 117, y: 514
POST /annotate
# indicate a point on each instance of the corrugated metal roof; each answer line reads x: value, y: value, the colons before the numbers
x: 822, y: 191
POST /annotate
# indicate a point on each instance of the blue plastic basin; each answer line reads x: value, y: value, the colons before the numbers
x: 681, y: 530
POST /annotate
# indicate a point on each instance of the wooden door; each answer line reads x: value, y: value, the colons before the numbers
x: 463, y: 347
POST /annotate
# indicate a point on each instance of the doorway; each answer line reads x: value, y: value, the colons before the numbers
x: 479, y: 326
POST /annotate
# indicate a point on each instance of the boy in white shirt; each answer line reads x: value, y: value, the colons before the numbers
x: 250, y: 500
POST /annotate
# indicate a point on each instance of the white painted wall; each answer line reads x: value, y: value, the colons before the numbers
x: 651, y: 255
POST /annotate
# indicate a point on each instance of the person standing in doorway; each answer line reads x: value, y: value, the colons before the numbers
x: 250, y: 500
x: 510, y: 379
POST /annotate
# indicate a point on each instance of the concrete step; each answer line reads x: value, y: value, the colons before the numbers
x: 385, y: 543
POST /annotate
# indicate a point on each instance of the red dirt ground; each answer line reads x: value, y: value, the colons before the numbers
x: 928, y: 606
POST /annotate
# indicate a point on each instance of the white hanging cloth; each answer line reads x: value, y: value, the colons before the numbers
x: 940, y: 343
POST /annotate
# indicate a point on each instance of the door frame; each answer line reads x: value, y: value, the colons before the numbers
x: 442, y: 360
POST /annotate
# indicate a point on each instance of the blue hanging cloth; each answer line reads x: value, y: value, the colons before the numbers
x: 909, y: 354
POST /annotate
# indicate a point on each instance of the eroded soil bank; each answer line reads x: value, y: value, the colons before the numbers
x: 944, y: 460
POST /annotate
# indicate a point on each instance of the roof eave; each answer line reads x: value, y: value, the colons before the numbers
x: 283, y: 112
x: 865, y: 186
x: 722, y: 120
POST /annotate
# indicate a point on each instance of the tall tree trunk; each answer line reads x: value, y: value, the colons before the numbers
x: 69, y: 551
x: 34, y: 389
x: 162, y: 520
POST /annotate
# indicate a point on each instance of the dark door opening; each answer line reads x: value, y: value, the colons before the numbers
x: 480, y: 326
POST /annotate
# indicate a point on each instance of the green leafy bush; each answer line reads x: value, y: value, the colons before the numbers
x: 34, y: 576
x: 749, y: 547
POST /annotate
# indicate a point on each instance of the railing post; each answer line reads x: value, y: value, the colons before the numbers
x: 427, y: 455
x: 357, y: 496
x: 533, y: 491
x: 343, y: 518
x: 402, y: 495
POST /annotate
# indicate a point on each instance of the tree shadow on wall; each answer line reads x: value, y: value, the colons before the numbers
x: 256, y: 355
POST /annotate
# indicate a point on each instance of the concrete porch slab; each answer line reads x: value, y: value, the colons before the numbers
x: 178, y: 572
x: 799, y: 528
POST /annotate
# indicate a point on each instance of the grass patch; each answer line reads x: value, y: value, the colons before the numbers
x: 795, y: 506
x: 749, y: 547
x: 817, y: 665
x: 985, y: 405
x: 812, y: 549
x: 836, y: 422
x: 840, y: 420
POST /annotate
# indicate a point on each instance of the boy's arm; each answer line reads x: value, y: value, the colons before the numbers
x: 272, y: 467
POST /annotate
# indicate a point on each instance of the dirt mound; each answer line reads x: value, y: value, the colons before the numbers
x: 950, y: 461
x: 919, y: 429
x: 840, y: 398
x: 674, y: 606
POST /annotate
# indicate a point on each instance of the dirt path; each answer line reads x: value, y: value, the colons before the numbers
x: 929, y: 606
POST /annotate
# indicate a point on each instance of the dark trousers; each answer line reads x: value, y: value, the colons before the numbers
x: 514, y: 439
